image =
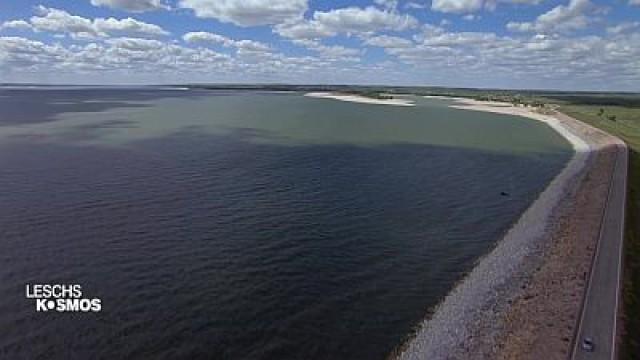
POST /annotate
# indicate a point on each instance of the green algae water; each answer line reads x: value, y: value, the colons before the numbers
x: 248, y: 225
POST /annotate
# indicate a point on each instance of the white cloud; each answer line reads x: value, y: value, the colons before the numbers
x: 351, y: 20
x: 469, y: 6
x: 17, y: 52
x: 129, y: 26
x: 387, y: 4
x: 634, y: 2
x: 562, y: 18
x: 623, y: 27
x: 415, y: 5
x: 457, y: 6
x: 304, y: 30
x: 435, y: 56
x: 247, y: 12
x: 135, y: 44
x: 251, y: 45
x: 60, y: 21
x: 211, y: 38
x: 54, y: 20
x: 115, y: 55
x: 387, y: 41
x: 205, y: 37
x: 16, y: 24
x: 131, y: 59
x: 454, y: 39
x: 357, y: 20
x: 542, y: 60
x: 331, y: 52
x: 132, y: 5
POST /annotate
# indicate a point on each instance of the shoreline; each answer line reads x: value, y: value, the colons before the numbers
x: 477, y: 305
x: 359, y: 99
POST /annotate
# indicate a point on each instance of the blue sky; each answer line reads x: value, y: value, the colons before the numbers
x: 549, y: 44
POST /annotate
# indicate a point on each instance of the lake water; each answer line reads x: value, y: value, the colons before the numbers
x: 248, y: 225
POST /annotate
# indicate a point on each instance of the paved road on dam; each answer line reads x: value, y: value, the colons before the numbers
x: 600, y: 310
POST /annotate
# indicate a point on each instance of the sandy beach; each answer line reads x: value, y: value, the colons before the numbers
x: 360, y: 99
x: 544, y: 256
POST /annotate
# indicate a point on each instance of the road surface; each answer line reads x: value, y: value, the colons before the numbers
x: 600, y: 308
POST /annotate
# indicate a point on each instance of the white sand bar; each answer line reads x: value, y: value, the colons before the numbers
x: 360, y: 99
x: 472, y: 302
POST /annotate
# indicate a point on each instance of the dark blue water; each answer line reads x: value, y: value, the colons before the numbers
x: 217, y: 246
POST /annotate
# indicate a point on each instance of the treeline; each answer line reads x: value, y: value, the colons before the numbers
x: 624, y: 100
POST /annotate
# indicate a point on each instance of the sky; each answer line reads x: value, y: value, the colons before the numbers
x: 521, y: 44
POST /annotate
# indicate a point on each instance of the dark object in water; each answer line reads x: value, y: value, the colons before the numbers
x: 502, y: 193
